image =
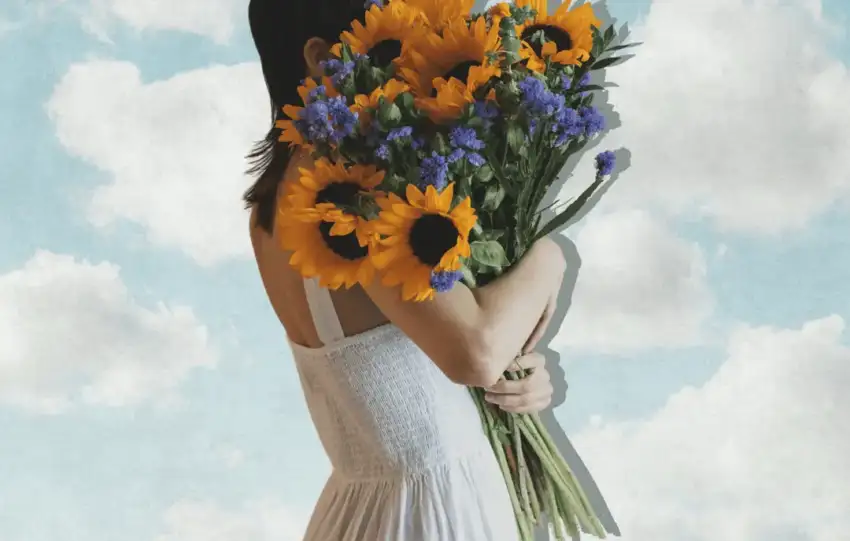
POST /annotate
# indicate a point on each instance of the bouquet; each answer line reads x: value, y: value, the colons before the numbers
x: 437, y: 135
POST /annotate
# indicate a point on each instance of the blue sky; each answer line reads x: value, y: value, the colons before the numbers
x: 110, y: 468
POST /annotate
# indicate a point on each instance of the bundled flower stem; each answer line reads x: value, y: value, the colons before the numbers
x: 438, y: 135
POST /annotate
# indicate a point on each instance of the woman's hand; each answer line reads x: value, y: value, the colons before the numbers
x: 530, y: 394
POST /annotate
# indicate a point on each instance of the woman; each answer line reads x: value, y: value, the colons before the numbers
x: 385, y: 379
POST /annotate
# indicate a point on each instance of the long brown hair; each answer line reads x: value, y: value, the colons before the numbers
x: 280, y: 29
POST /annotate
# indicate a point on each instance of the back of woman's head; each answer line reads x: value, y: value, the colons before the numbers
x: 281, y: 29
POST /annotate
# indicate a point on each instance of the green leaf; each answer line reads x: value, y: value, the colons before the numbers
x: 589, y: 88
x: 624, y: 46
x: 388, y: 113
x: 468, y: 276
x: 405, y: 101
x: 605, y: 62
x: 493, y: 197
x: 571, y: 211
x: 515, y: 136
x: 610, y: 34
x: 484, y: 173
x: 489, y: 253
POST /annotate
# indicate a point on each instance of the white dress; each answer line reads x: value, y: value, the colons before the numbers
x: 410, y: 460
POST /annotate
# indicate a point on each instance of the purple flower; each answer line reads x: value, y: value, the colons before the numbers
x: 475, y: 159
x: 605, y: 162
x: 433, y: 171
x: 593, y: 120
x: 486, y: 111
x: 370, y: 3
x: 383, y: 151
x: 399, y: 133
x: 456, y: 155
x: 537, y: 99
x: 567, y: 124
x: 337, y: 69
x: 417, y: 143
x: 443, y: 281
x: 465, y: 138
x: 325, y: 120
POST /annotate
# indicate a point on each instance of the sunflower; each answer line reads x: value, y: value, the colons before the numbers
x: 567, y: 34
x: 290, y: 133
x: 390, y: 91
x: 439, y: 12
x: 386, y: 32
x: 422, y: 237
x: 325, y: 240
x: 444, y: 71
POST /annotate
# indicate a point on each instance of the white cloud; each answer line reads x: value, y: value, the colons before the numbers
x: 639, y: 286
x: 174, y: 149
x: 257, y: 521
x: 734, y: 110
x: 758, y: 453
x: 214, y: 19
x: 71, y: 334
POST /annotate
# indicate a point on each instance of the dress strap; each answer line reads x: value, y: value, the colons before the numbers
x: 323, y: 312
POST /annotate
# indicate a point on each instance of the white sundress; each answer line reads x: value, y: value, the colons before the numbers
x: 410, y: 460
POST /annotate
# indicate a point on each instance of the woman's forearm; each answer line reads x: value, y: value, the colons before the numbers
x: 511, y: 307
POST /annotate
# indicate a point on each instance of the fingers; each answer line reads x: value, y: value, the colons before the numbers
x: 532, y: 402
x: 532, y: 393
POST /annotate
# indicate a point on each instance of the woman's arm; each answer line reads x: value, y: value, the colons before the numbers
x: 474, y: 335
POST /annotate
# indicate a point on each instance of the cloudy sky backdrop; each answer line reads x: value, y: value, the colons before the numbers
x: 146, y: 389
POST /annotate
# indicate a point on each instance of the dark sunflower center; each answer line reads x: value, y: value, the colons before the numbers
x: 431, y: 237
x: 345, y: 246
x: 338, y: 193
x: 459, y: 72
x: 384, y: 52
x: 559, y: 36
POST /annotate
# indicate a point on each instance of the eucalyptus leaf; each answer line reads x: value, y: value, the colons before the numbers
x: 493, y: 197
x: 515, y: 136
x: 489, y: 253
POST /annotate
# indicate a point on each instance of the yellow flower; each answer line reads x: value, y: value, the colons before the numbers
x: 445, y: 70
x: 290, y: 134
x: 568, y: 34
x: 421, y: 235
x: 386, y: 33
x: 438, y: 13
x: 326, y: 241
x: 389, y: 92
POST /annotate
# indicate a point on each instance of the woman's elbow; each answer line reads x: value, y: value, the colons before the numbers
x: 478, y: 366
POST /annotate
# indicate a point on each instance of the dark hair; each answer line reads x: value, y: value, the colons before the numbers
x: 280, y: 29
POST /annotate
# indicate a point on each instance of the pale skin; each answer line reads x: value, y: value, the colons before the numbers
x: 473, y: 336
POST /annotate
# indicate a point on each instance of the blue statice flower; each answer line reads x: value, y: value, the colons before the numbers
x: 383, y: 151
x: 317, y: 93
x: 593, y: 120
x: 466, y: 138
x: 370, y: 3
x: 465, y: 142
x: 399, y: 133
x: 433, y: 171
x: 455, y: 155
x: 475, y: 159
x: 487, y: 111
x: 605, y: 162
x: 337, y: 69
x: 417, y: 143
x: 443, y: 281
x: 567, y: 124
x: 325, y: 120
x: 538, y: 100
